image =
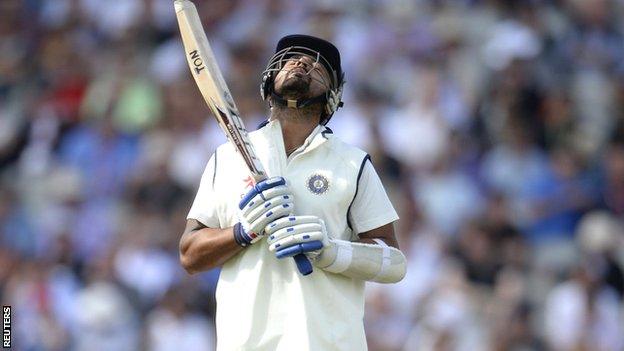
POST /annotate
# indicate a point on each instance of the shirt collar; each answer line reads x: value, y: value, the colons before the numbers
x: 317, y: 137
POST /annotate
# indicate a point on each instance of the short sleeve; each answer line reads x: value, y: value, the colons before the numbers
x: 204, y: 208
x: 371, y: 207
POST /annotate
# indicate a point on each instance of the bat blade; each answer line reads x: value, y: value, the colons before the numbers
x: 207, y: 75
x: 209, y: 80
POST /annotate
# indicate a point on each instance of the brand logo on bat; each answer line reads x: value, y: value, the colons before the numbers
x: 197, y: 61
x: 235, y: 135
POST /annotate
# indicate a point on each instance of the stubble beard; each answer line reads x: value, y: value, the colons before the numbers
x: 302, y: 114
x: 295, y: 87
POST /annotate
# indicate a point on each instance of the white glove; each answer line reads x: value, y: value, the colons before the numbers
x: 293, y: 235
x: 267, y: 201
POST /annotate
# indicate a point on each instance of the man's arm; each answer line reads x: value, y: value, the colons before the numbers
x: 375, y: 257
x: 203, y: 248
x: 384, y: 233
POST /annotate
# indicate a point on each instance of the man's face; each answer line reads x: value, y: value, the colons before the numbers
x: 301, y: 77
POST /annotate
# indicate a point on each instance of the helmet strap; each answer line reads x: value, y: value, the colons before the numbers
x: 290, y: 103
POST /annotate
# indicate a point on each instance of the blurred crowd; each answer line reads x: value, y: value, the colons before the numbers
x: 497, y: 127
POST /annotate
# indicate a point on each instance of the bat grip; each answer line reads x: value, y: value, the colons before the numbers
x: 303, y: 264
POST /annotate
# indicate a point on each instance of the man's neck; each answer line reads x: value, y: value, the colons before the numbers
x: 297, y: 125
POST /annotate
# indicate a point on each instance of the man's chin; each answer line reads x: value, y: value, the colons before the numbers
x: 295, y: 88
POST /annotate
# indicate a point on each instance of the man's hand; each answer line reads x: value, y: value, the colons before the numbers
x: 366, y: 259
x: 293, y: 235
x: 267, y: 201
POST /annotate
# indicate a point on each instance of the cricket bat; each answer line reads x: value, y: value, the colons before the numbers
x: 209, y: 80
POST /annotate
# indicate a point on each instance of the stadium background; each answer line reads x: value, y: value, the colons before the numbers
x: 497, y: 127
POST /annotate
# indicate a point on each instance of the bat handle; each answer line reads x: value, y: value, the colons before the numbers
x: 303, y: 264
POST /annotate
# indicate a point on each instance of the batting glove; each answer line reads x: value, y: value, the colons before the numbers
x: 267, y: 201
x: 292, y: 235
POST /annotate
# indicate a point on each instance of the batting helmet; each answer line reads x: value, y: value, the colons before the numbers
x: 322, y: 52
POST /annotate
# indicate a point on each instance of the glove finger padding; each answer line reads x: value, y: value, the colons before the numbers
x: 260, y: 198
x: 289, y: 222
x: 268, y: 216
x: 297, y: 239
x: 263, y: 207
x: 266, y: 184
x: 294, y: 235
x: 267, y: 201
x: 296, y: 249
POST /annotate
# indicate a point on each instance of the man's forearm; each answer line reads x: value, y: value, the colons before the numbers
x: 203, y: 248
x: 370, y: 260
x: 374, y: 257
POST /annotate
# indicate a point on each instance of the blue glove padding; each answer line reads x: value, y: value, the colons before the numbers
x: 267, y: 201
x: 299, y: 249
x: 259, y: 188
x: 293, y: 235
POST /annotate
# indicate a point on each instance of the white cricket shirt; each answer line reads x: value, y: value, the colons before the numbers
x: 264, y: 303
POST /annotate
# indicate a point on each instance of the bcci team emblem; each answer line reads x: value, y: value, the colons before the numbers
x: 318, y: 184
